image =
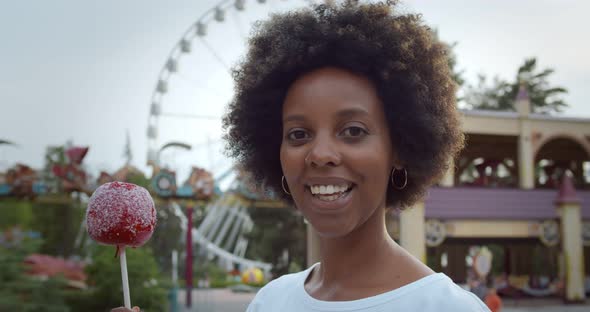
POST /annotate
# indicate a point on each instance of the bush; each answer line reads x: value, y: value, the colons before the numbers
x: 58, y: 219
x: 20, y: 292
x: 15, y: 212
x: 106, y: 290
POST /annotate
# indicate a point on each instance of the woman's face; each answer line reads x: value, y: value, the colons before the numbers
x: 336, y: 151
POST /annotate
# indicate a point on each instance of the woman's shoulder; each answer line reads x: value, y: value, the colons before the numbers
x: 444, y: 295
x: 274, y: 293
x: 282, y: 285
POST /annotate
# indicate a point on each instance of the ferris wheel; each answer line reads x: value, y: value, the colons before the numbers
x: 195, y: 84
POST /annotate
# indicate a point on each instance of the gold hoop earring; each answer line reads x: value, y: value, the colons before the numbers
x: 283, y: 182
x: 405, y: 173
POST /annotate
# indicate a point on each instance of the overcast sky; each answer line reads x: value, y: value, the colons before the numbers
x: 85, y: 70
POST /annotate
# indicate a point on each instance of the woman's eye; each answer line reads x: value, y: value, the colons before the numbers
x: 297, y: 135
x: 354, y: 132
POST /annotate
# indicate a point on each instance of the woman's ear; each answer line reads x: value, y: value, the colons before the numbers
x: 395, y: 161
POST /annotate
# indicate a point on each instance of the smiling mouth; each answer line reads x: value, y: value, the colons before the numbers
x: 330, y: 192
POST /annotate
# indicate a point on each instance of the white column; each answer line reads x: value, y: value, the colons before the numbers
x: 573, y: 253
x: 448, y: 179
x: 412, y: 231
x: 526, y: 159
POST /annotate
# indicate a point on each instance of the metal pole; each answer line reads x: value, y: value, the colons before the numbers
x: 174, y: 291
x: 189, y: 256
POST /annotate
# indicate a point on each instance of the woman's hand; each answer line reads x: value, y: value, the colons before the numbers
x: 123, y: 309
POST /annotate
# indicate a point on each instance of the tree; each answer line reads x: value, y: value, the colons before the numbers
x: 277, y: 233
x: 451, y: 59
x: 58, y: 222
x: 6, y: 142
x: 501, y: 95
x: 20, y: 292
x: 104, y: 278
x: 167, y: 236
x: 487, y: 96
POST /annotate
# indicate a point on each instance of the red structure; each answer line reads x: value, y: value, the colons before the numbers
x: 189, y: 257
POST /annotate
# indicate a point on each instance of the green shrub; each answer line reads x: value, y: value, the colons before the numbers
x: 22, y: 293
x: 105, y: 287
x: 15, y: 213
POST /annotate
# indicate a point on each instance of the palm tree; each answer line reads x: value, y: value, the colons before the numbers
x: 501, y: 94
x: 6, y: 142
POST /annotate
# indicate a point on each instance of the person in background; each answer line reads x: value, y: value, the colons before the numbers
x: 492, y: 300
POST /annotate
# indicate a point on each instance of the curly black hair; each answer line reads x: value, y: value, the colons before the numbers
x: 396, y: 52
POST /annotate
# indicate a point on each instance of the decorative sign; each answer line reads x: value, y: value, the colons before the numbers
x: 549, y: 233
x: 199, y: 186
x: 435, y: 232
x: 164, y: 183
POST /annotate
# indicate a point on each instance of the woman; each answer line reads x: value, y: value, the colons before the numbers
x: 347, y: 111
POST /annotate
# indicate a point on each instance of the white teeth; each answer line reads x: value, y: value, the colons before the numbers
x: 330, y: 197
x: 328, y: 189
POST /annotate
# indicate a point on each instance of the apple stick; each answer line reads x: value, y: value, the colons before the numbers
x: 123, y: 259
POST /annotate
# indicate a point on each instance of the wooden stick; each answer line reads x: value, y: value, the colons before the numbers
x: 123, y: 259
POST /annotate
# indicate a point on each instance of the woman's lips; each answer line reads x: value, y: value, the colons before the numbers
x: 329, y: 202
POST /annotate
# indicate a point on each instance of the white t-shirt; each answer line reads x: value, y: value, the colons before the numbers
x: 433, y: 293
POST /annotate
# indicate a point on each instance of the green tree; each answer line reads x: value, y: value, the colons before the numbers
x: 501, y: 95
x: 487, y: 96
x: 15, y: 212
x: 138, y: 178
x: 167, y: 236
x: 58, y: 219
x: 20, y: 292
x: 104, y: 279
x: 451, y: 59
x: 277, y: 232
x: 6, y: 142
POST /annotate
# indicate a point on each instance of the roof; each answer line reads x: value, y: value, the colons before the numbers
x: 496, y: 203
x: 567, y: 192
x: 514, y: 115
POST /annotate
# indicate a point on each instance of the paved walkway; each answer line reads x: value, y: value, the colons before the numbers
x: 224, y: 300
x: 215, y: 300
x: 544, y: 305
x: 560, y: 308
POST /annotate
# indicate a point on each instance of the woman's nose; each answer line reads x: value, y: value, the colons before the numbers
x: 323, y: 152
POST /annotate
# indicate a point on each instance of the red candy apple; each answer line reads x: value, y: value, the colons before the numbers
x: 121, y: 214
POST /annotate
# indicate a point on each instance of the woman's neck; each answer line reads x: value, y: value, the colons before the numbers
x: 363, y: 251
x: 365, y: 263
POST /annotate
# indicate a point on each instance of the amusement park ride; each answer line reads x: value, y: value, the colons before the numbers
x: 222, y: 231
x: 226, y: 221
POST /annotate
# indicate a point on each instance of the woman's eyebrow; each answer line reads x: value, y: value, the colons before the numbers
x: 342, y: 114
x: 351, y: 112
x: 294, y: 118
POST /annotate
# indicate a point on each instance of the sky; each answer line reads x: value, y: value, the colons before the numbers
x: 85, y: 71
